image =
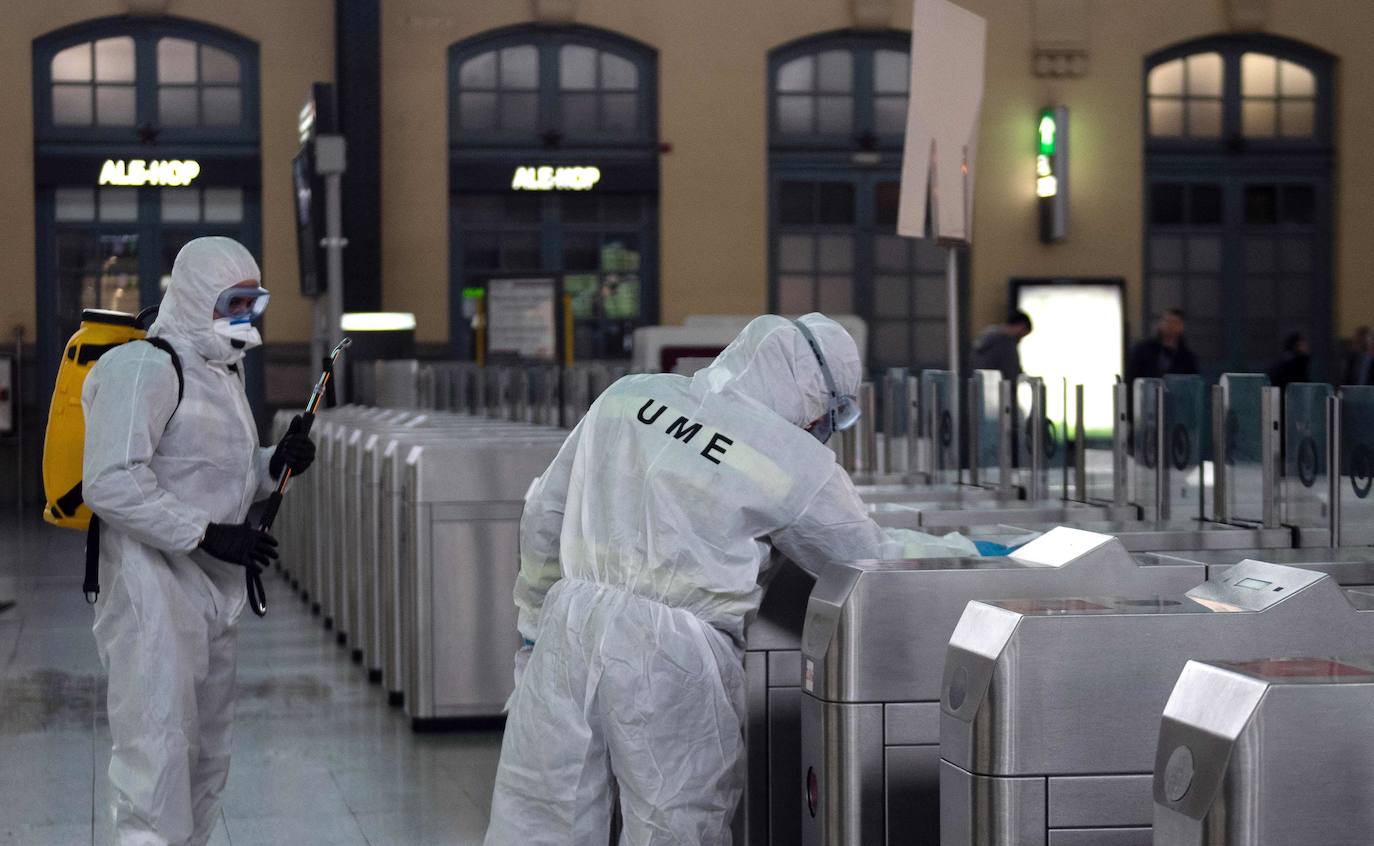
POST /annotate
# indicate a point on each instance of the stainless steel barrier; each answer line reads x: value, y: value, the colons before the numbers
x: 1050, y: 707
x: 1268, y: 751
x: 872, y: 652
x: 461, y: 508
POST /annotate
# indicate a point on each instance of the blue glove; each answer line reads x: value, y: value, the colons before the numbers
x: 988, y: 549
x: 522, y: 660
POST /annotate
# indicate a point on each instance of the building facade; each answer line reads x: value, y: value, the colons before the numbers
x: 747, y: 159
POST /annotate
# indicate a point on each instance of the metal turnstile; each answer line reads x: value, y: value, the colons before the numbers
x: 872, y: 651
x: 1050, y: 707
x: 460, y: 525
x: 1269, y: 751
x: 385, y: 487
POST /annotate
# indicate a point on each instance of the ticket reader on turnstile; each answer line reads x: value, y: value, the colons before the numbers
x: 1050, y: 708
x: 1268, y: 751
x: 872, y: 652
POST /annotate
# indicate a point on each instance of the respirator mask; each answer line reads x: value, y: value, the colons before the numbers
x: 237, y: 309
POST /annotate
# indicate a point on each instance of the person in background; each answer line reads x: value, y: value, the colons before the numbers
x: 1164, y: 354
x: 996, y: 346
x: 1295, y: 366
x: 1355, y: 366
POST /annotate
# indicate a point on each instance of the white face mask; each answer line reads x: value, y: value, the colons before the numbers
x: 241, y: 335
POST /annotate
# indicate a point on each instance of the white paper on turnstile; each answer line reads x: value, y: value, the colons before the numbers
x: 948, y: 44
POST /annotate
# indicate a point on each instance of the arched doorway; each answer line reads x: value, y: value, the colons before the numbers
x: 837, y: 120
x: 577, y: 101
x: 146, y: 135
x: 1238, y: 196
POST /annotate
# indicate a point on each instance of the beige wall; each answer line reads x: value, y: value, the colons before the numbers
x: 296, y: 47
x: 712, y: 78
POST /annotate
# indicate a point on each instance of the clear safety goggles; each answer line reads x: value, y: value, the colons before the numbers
x: 842, y: 410
x: 242, y: 305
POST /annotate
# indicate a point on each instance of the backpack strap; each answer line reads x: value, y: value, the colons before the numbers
x: 91, y: 584
x: 165, y: 346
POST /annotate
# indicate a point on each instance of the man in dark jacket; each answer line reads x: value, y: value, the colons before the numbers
x: 1167, y: 352
x: 1295, y: 365
x: 995, y: 347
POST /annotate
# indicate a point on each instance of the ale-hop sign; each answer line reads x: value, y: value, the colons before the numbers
x: 549, y: 178
x: 136, y: 172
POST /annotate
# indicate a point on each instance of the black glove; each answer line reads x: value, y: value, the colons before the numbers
x: 239, y: 543
x: 296, y: 451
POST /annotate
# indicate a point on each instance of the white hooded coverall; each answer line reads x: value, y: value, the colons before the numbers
x: 156, y: 473
x: 640, y: 556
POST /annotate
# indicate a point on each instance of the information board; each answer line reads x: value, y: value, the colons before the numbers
x: 521, y: 318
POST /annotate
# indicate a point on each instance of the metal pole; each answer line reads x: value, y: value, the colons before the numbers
x: 331, y: 161
x: 975, y: 436
x: 17, y: 391
x: 1333, y: 467
x: 1162, y: 492
x: 867, y: 430
x: 1037, y: 439
x: 913, y: 427
x: 1080, y: 447
x: 1006, y: 419
x: 1121, y: 433
x: 952, y: 298
x: 1270, y: 441
x: 1221, y: 511
x: 1064, y: 433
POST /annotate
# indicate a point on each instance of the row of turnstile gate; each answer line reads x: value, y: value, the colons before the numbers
x: 1041, y: 725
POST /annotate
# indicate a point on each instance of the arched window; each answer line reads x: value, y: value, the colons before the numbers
x: 145, y: 136
x: 159, y: 80
x: 1247, y: 88
x: 552, y: 88
x: 841, y: 92
x: 578, y: 105
x: 1238, y: 195
x: 837, y: 115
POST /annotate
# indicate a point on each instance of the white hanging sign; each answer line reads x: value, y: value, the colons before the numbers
x: 948, y: 44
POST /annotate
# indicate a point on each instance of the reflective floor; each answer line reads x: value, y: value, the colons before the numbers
x: 319, y: 756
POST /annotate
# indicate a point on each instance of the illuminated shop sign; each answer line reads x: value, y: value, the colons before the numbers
x: 135, y: 172
x: 549, y: 178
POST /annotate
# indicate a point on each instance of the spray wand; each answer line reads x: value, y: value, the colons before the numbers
x: 257, y: 594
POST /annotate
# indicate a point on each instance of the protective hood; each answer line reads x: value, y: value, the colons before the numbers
x: 204, y: 268
x: 770, y: 362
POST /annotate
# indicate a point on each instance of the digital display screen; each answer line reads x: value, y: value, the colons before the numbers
x: 308, y: 217
x: 1253, y: 584
x: 1078, y: 336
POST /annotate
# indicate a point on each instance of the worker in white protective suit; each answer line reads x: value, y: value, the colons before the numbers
x: 641, y: 550
x: 171, y: 480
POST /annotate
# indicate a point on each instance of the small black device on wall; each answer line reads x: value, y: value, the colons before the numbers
x: 317, y: 117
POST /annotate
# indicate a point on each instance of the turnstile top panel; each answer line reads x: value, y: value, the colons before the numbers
x: 1296, y: 555
x: 1273, y: 750
x: 1248, y: 586
x: 1313, y: 670
x: 877, y: 631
